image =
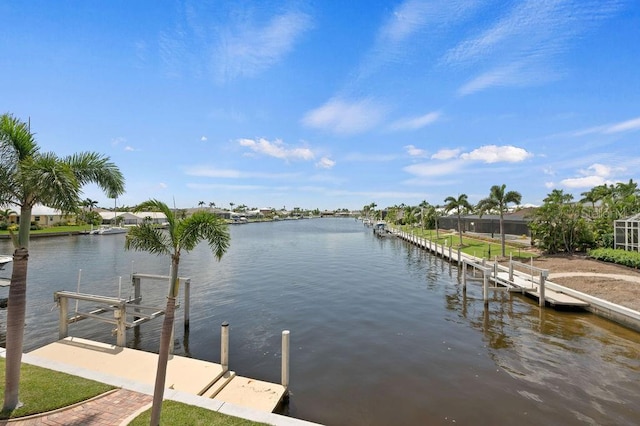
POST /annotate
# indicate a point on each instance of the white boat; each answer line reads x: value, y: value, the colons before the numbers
x: 4, y: 259
x: 108, y: 230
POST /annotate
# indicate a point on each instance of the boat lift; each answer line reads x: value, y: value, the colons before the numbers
x: 126, y: 312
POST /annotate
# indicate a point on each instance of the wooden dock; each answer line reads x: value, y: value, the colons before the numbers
x: 189, y: 375
x: 506, y: 277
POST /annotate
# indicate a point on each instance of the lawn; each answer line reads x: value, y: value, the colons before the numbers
x: 43, y: 390
x: 55, y: 229
x: 176, y: 413
x: 480, y: 247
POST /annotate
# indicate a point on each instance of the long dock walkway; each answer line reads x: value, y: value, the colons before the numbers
x: 555, y: 295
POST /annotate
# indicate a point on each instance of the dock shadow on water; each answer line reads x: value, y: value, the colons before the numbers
x: 381, y: 331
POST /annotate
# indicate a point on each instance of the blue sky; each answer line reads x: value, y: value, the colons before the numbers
x: 331, y: 104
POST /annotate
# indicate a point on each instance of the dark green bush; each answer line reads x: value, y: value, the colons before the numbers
x: 620, y: 257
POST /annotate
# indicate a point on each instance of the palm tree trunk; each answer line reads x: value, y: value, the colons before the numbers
x: 460, y: 229
x: 502, y: 238
x: 165, y: 343
x: 15, y: 328
x: 163, y: 359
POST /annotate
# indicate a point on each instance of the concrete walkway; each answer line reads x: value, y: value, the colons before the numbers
x: 622, y: 277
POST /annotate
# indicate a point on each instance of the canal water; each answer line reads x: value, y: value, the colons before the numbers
x: 381, y: 332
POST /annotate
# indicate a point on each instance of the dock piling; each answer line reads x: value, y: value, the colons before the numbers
x: 285, y: 358
x: 224, y: 346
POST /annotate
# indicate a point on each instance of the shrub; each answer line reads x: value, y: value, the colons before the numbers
x: 620, y: 257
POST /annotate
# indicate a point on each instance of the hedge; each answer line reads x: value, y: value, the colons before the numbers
x: 620, y: 257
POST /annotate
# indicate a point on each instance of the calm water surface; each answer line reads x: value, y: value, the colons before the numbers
x: 381, y: 332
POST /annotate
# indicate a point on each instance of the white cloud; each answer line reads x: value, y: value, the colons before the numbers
x: 434, y: 169
x: 162, y: 185
x: 446, y: 154
x: 325, y: 163
x: 415, y: 152
x: 203, y: 139
x: 277, y: 149
x: 583, y: 182
x: 597, y: 170
x: 129, y: 148
x: 496, y: 154
x: 414, y: 123
x: 344, y: 117
x: 549, y: 185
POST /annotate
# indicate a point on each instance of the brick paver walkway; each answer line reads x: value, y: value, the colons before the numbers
x: 108, y: 409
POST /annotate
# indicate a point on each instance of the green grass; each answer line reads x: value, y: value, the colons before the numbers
x: 55, y: 229
x: 177, y: 413
x: 486, y: 248
x: 43, y: 390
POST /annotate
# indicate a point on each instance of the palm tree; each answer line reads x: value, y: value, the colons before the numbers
x: 90, y: 203
x: 460, y: 205
x: 212, y: 204
x: 498, y: 200
x: 27, y: 177
x: 6, y: 214
x: 200, y: 203
x: 183, y: 234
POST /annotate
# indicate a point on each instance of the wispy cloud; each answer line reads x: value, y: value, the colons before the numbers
x: 325, y: 163
x: 277, y: 149
x: 345, y: 117
x: 248, y: 48
x: 446, y: 154
x: 620, y: 127
x: 414, y: 123
x: 523, y: 46
x: 238, y: 42
x: 213, y: 172
x: 415, y: 152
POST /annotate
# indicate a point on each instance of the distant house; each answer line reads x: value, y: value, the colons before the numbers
x: 41, y: 215
x: 515, y: 223
x: 130, y: 219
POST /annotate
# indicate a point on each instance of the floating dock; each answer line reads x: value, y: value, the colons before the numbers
x: 184, y: 374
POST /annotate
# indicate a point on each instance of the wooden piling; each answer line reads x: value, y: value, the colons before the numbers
x: 285, y: 358
x: 224, y: 346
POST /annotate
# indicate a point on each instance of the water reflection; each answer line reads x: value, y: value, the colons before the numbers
x: 381, y: 332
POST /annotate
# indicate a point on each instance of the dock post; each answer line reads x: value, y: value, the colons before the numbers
x: 450, y: 258
x: 464, y: 275
x: 543, y: 276
x: 511, y: 270
x: 187, y: 299
x: 224, y: 346
x: 121, y: 326
x: 63, y: 325
x: 137, y: 294
x: 495, y: 269
x: 458, y: 256
x: 485, y: 287
x: 285, y: 358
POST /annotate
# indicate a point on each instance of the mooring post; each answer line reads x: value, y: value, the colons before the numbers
x: 464, y: 275
x: 137, y: 295
x: 285, y: 358
x: 187, y: 300
x: 450, y: 258
x: 63, y: 325
x: 495, y: 269
x: 543, y: 277
x: 458, y: 256
x: 121, y: 326
x: 511, y: 270
x: 485, y: 287
x: 224, y: 346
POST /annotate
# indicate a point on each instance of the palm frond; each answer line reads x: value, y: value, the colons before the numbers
x: 146, y: 237
x: 91, y: 167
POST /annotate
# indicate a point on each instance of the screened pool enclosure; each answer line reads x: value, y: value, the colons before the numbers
x: 626, y: 233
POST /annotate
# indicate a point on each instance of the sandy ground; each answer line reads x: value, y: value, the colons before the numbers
x: 614, y: 283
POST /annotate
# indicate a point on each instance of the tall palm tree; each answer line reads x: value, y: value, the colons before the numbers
x: 183, y: 234
x: 499, y: 199
x: 27, y: 177
x: 5, y: 214
x: 90, y: 203
x: 460, y: 205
